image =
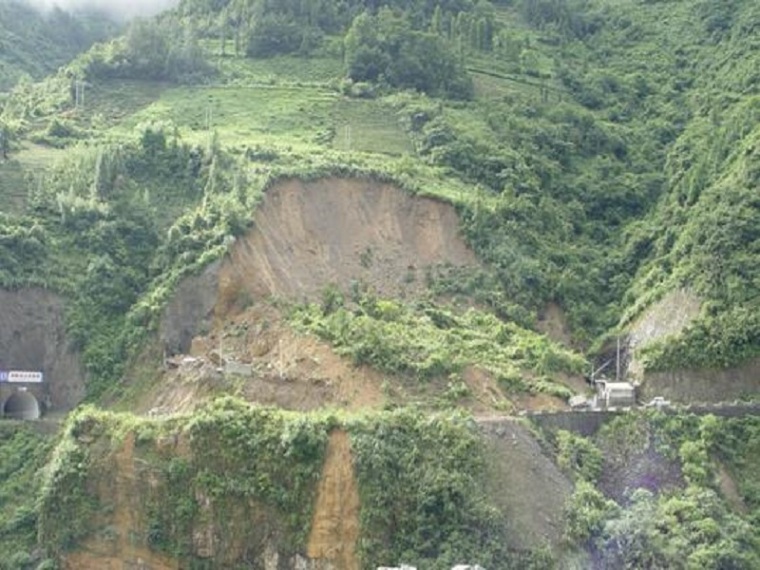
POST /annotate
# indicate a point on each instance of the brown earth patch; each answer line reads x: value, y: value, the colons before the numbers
x: 115, y: 547
x: 335, y: 524
x: 553, y: 323
x: 308, y: 235
x: 486, y: 394
x: 730, y: 490
x: 280, y: 368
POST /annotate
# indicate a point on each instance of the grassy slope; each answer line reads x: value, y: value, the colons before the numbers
x: 577, y: 143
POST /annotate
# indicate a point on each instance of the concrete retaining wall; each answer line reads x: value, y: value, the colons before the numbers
x: 588, y: 422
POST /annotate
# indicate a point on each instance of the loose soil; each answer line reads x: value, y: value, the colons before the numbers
x: 121, y: 490
x: 308, y: 235
x: 335, y: 526
x: 305, y: 237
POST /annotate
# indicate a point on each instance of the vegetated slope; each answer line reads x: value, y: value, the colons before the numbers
x: 235, y: 485
x: 33, y: 43
x: 571, y: 146
x: 700, y: 234
x: 586, y: 177
x: 23, y: 454
x: 687, y: 470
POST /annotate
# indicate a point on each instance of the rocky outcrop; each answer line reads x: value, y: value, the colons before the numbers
x: 667, y: 318
x: 525, y: 484
x: 190, y: 310
x: 33, y: 337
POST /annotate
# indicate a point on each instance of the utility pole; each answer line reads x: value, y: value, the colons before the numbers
x: 210, y: 113
x: 617, y: 362
x: 79, y: 93
x: 348, y: 136
x: 209, y: 117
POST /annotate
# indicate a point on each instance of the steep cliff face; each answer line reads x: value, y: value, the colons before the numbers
x: 668, y: 318
x: 237, y: 486
x: 308, y: 235
x: 190, y: 310
x: 33, y: 337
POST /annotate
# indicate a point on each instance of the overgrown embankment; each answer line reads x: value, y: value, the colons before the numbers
x: 647, y: 481
x: 23, y: 453
x: 235, y: 485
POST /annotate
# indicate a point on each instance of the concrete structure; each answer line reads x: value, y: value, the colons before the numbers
x: 615, y: 394
x: 23, y: 394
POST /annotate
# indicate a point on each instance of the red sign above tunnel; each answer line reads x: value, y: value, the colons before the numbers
x: 20, y: 377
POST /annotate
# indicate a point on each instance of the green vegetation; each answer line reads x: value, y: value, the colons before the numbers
x: 588, y: 181
x: 34, y: 44
x: 384, y: 48
x: 248, y: 463
x: 419, y: 479
x: 426, y: 342
x: 115, y: 224
x: 22, y: 454
x: 420, y: 483
x: 686, y: 522
x: 600, y: 153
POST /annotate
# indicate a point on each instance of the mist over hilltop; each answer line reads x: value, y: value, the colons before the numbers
x: 118, y: 9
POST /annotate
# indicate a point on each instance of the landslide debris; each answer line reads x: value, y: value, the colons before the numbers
x: 308, y: 235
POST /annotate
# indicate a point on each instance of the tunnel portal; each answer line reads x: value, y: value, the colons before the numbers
x: 21, y: 406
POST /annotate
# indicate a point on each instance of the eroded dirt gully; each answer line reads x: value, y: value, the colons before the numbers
x: 335, y: 524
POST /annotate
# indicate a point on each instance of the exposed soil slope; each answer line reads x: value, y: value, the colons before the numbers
x: 275, y: 366
x: 308, y: 235
x: 335, y: 526
x: 122, y: 483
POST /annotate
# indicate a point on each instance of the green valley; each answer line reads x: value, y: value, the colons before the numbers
x: 307, y: 279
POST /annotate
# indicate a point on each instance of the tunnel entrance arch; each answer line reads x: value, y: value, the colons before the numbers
x: 21, y: 406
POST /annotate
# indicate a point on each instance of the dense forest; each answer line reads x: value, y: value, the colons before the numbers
x: 34, y: 44
x: 600, y: 154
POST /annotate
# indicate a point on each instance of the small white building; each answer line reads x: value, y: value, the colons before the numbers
x: 615, y: 394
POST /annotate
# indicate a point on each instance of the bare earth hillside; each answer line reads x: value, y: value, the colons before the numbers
x: 308, y: 235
